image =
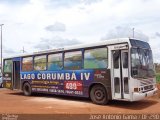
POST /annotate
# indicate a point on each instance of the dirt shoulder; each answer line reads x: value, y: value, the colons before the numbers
x: 15, y: 102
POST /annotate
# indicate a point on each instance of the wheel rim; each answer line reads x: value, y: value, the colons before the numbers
x: 99, y: 94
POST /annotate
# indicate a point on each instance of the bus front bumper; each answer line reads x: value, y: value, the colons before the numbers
x: 140, y: 96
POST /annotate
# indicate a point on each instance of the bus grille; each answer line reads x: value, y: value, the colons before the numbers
x: 149, y: 87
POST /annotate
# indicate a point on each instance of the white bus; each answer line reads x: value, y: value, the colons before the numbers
x: 116, y: 69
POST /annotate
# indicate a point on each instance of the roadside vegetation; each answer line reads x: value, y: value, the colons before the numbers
x: 157, y: 68
x: 158, y: 77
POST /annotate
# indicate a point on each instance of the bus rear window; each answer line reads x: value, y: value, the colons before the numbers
x: 27, y: 64
x: 40, y: 62
x: 73, y: 60
x: 96, y: 58
x: 8, y: 66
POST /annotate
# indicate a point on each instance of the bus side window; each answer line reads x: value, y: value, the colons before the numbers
x: 55, y: 61
x: 8, y: 66
x: 96, y: 58
x: 27, y: 64
x: 40, y: 62
x: 73, y: 60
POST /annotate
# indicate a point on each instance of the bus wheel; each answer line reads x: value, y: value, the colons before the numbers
x: 98, y: 95
x: 27, y: 89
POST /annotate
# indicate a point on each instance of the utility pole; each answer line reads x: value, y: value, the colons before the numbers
x: 1, y: 47
x: 23, y: 50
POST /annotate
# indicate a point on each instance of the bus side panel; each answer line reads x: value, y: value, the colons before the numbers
x: 101, y: 76
x: 66, y: 82
x: 7, y: 80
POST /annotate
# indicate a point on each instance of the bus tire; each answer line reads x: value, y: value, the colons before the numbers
x: 27, y: 89
x: 98, y: 95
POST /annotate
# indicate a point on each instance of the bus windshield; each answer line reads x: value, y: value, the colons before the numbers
x: 141, y: 63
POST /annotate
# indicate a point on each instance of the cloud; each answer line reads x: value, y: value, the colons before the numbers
x: 55, y: 42
x: 121, y: 32
x: 70, y: 3
x: 8, y: 51
x: 89, y: 2
x: 27, y: 22
x: 157, y: 34
x: 64, y: 3
x: 155, y: 51
x: 57, y: 26
x: 14, y: 2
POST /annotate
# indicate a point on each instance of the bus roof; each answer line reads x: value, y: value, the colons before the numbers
x: 104, y: 42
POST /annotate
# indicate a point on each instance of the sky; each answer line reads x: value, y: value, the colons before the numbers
x: 45, y: 24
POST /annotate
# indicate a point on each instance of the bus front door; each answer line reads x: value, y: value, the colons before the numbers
x: 120, y: 74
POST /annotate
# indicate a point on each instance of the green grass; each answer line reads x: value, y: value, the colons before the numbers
x: 158, y: 77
